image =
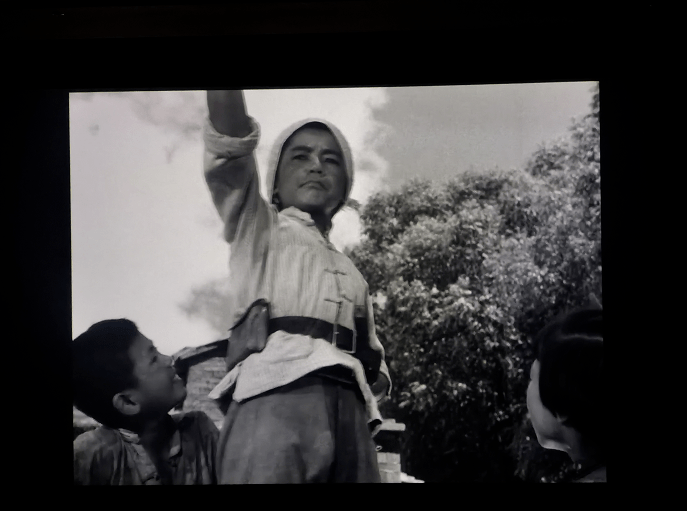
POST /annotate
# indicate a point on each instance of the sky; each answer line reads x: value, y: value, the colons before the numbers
x: 145, y: 232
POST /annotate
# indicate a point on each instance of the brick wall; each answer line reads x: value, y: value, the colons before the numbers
x: 388, y: 441
x: 389, y: 466
x: 202, y: 378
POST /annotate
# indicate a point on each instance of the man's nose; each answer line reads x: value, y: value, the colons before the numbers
x: 315, y: 165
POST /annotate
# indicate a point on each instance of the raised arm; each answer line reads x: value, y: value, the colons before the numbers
x: 230, y: 137
x: 227, y: 110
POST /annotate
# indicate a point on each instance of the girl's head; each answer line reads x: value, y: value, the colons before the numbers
x: 312, y: 170
x: 566, y: 397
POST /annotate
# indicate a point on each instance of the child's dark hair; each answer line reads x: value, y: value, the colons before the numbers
x: 102, y: 367
x: 571, y: 376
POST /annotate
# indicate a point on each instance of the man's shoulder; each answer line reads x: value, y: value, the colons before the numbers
x: 96, y: 440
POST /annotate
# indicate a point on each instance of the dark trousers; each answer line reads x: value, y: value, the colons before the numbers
x: 313, y: 430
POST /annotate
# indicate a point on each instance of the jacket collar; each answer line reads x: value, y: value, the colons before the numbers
x: 133, y: 438
x: 303, y: 218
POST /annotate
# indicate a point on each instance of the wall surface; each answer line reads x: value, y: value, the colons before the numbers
x: 202, y: 378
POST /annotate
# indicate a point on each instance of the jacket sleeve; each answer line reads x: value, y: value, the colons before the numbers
x: 231, y: 175
x: 382, y: 387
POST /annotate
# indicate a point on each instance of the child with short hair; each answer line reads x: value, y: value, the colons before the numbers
x: 123, y: 382
x: 566, y: 396
x: 305, y: 368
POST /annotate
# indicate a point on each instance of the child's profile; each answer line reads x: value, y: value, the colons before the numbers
x: 123, y: 382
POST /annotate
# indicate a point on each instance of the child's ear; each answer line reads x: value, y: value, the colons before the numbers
x: 125, y: 403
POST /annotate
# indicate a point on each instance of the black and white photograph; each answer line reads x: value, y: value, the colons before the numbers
x: 392, y: 284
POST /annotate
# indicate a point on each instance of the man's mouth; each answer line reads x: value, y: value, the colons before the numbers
x: 314, y: 184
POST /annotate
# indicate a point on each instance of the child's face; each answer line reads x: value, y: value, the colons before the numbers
x: 546, y: 425
x: 311, y: 175
x: 159, y: 387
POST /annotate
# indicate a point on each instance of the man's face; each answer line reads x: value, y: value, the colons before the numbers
x: 159, y: 387
x: 311, y: 175
x: 546, y: 425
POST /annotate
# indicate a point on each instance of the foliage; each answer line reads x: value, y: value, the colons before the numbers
x: 469, y: 270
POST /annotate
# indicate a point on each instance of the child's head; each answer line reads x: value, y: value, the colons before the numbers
x: 313, y: 170
x: 119, y: 378
x: 566, y: 394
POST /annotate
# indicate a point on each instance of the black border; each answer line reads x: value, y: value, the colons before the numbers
x: 480, y: 48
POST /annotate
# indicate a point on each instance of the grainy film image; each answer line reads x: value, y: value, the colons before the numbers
x: 401, y: 284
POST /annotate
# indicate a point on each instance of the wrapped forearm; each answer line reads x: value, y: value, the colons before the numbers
x: 232, y: 178
x: 227, y: 109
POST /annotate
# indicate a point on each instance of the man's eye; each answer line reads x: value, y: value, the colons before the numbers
x: 333, y: 161
x: 299, y: 157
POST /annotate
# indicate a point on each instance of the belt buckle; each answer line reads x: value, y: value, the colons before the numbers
x: 335, y: 333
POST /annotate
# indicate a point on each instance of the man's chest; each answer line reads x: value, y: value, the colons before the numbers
x: 305, y: 267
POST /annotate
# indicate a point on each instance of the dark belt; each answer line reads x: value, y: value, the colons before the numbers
x: 343, y: 338
x: 340, y: 336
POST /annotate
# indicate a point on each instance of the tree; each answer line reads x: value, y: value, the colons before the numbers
x: 466, y: 273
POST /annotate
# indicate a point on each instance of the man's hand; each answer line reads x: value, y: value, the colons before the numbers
x: 380, y: 386
x: 228, y: 115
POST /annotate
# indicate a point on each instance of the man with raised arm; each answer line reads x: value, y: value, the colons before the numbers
x: 305, y: 368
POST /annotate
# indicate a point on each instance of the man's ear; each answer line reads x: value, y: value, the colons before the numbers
x: 125, y: 403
